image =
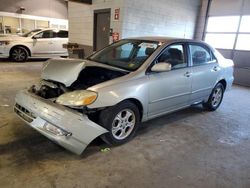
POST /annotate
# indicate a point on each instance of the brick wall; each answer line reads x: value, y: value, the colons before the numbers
x: 162, y: 18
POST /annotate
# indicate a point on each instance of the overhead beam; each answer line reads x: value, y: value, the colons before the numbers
x: 83, y: 1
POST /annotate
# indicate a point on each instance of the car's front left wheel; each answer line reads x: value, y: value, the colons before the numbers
x: 121, y: 121
x: 19, y: 54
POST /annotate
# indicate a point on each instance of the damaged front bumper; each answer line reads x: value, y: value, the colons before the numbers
x: 70, y: 129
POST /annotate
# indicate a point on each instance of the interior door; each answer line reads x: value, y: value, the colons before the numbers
x: 102, y: 29
x: 171, y: 90
x: 205, y: 72
x: 42, y: 43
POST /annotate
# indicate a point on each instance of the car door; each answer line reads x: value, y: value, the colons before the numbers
x: 169, y: 91
x: 42, y: 43
x: 205, y: 71
x: 60, y: 38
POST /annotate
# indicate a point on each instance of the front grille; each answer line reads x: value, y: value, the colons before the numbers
x: 24, y: 113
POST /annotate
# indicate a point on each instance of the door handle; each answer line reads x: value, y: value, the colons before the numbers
x: 187, y: 74
x: 215, y: 68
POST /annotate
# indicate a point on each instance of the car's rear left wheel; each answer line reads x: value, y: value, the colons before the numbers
x: 121, y: 121
x: 19, y: 54
x: 215, y: 98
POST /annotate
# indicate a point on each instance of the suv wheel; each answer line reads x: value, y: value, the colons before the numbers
x: 19, y: 54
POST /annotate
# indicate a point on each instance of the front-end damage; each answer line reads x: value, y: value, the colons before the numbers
x: 57, y: 106
x: 69, y: 128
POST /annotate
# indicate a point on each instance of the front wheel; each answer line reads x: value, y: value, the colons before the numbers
x: 121, y: 121
x: 215, y: 98
x: 19, y: 54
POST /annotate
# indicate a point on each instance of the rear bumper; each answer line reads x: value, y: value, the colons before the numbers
x: 70, y: 129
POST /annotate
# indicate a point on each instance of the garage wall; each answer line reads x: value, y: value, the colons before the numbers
x: 81, y: 21
x: 137, y: 18
x: 161, y: 18
x: 46, y: 8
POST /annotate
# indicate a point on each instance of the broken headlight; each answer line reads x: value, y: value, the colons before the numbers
x: 77, y: 98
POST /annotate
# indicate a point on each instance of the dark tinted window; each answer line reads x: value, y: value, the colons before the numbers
x: 200, y: 55
x: 62, y: 34
x: 174, y: 55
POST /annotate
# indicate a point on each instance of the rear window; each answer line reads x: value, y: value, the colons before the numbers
x: 62, y: 34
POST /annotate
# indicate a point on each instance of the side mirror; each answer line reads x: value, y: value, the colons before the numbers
x: 161, y: 67
x: 35, y: 37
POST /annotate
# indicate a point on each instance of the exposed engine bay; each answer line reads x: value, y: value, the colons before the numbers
x: 88, y: 77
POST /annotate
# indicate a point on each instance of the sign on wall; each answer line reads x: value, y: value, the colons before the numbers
x: 115, y: 36
x: 117, y: 14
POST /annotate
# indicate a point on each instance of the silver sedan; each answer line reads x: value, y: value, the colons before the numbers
x: 111, y: 92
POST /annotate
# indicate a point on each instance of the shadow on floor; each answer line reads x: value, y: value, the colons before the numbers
x: 37, y: 147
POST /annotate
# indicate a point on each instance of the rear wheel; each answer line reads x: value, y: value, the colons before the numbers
x: 215, y: 98
x: 19, y: 54
x: 121, y: 121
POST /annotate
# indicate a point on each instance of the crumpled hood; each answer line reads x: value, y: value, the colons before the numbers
x: 66, y: 71
x: 62, y: 70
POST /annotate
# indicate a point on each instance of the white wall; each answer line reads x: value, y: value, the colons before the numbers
x: 81, y: 20
x: 160, y: 17
x: 173, y: 18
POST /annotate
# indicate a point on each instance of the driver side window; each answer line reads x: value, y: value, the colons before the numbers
x: 45, y: 34
x: 174, y: 55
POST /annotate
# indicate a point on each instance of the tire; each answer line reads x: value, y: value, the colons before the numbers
x: 19, y: 54
x: 215, y: 98
x: 121, y: 121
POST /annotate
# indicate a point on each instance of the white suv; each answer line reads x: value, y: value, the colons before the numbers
x: 36, y: 43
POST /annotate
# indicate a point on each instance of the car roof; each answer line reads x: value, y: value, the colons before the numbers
x: 54, y: 29
x: 164, y: 39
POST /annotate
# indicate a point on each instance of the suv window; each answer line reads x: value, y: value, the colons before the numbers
x: 174, y: 54
x: 62, y: 34
x: 46, y: 34
x: 200, y: 55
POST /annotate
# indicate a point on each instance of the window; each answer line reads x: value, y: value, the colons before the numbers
x: 62, y: 34
x: 245, y: 23
x: 224, y: 41
x: 11, y: 25
x: 221, y: 31
x: 127, y: 54
x: 174, y: 55
x: 1, y: 25
x: 243, y: 40
x: 223, y: 24
x: 199, y: 55
x: 46, y: 34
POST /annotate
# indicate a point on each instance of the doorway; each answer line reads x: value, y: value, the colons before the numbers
x: 101, y: 28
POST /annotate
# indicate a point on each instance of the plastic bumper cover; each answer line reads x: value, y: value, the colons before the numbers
x: 70, y: 129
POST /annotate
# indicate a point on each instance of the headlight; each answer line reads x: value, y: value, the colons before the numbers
x: 4, y: 43
x: 77, y: 98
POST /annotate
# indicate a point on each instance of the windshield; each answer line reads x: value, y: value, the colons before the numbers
x: 128, y: 54
x: 29, y: 34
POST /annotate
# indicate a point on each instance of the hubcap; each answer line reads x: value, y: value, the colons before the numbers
x: 123, y: 124
x: 216, y: 97
x: 19, y: 54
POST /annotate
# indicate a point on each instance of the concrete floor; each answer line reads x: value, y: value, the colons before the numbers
x: 190, y: 148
